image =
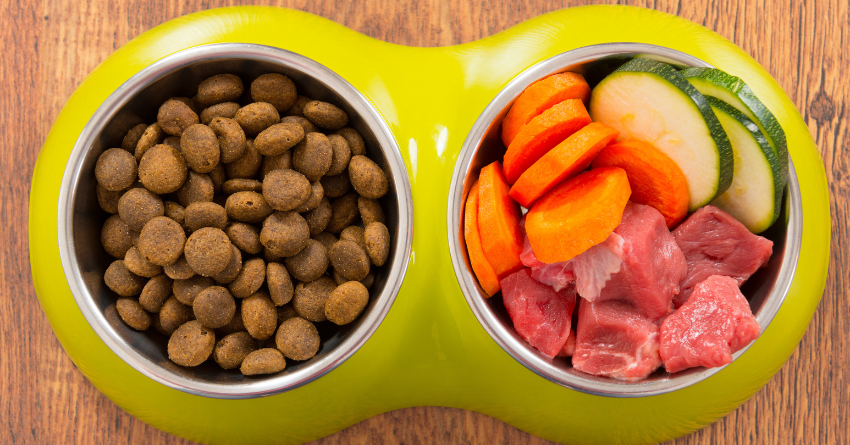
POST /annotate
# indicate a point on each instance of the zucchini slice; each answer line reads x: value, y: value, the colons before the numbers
x: 649, y: 100
x: 733, y: 91
x: 755, y: 196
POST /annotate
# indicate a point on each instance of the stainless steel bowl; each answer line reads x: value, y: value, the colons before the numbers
x: 765, y: 290
x: 80, y: 218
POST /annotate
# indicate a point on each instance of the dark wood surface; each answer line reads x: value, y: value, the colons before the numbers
x: 48, y: 48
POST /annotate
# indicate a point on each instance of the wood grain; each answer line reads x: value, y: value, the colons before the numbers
x: 49, y: 48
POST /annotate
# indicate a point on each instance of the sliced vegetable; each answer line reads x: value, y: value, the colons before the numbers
x: 539, y: 97
x: 487, y: 277
x: 655, y: 179
x: 649, y: 100
x: 733, y: 91
x: 542, y: 133
x: 498, y: 221
x: 565, y: 160
x: 755, y: 196
x: 577, y: 214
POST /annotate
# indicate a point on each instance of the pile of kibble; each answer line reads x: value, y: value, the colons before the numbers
x: 237, y: 228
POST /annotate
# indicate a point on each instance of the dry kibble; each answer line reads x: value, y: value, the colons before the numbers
x: 162, y: 240
x: 315, y: 198
x: 139, y: 265
x: 279, y: 283
x: 335, y: 186
x: 175, y: 116
x: 244, y: 236
x: 367, y: 178
x: 325, y: 115
x: 247, y: 165
x: 297, y: 109
x: 199, y: 145
x: 235, y: 325
x: 179, y: 269
x: 191, y: 344
x: 237, y: 185
x: 278, y: 138
x: 218, y: 176
x: 107, y: 200
x: 285, y: 233
x: 263, y: 361
x: 327, y: 239
x: 173, y: 142
x: 309, y: 299
x: 297, y: 339
x: 208, y: 251
x: 346, y: 302
x: 377, y: 243
x: 305, y: 123
x: 275, y: 89
x: 123, y: 282
x: 285, y: 312
x: 162, y: 169
x: 310, y: 263
x: 173, y: 314
x: 214, y: 307
x: 175, y: 211
x: 116, y: 236
x: 115, y: 169
x: 344, y: 212
x: 138, y: 206
x: 231, y: 350
x: 341, y: 155
x: 220, y: 88
x: 234, y: 266
x: 133, y: 314
x: 271, y: 257
x: 285, y: 190
x: 197, y: 188
x: 250, y: 278
x: 259, y: 316
x: 370, y: 211
x: 283, y: 160
x: 349, y: 260
x: 155, y: 292
x: 231, y: 138
x: 318, y: 218
x: 205, y: 214
x: 152, y: 136
x: 367, y: 282
x: 247, y: 207
x: 356, y: 234
x: 224, y: 109
x: 312, y: 157
x: 355, y: 141
x: 256, y: 117
x: 187, y: 290
x: 131, y: 139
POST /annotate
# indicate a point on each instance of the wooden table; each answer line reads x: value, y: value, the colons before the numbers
x: 48, y: 48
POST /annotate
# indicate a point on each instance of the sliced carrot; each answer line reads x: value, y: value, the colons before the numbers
x: 542, y: 133
x: 498, y: 221
x: 487, y: 277
x: 578, y: 214
x: 539, y: 97
x: 565, y: 160
x: 655, y: 179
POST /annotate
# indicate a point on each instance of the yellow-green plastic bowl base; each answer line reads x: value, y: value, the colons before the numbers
x: 430, y: 350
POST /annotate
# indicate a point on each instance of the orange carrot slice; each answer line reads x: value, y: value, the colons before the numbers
x: 578, y: 214
x: 565, y: 160
x: 542, y: 133
x: 656, y: 180
x: 498, y: 221
x: 487, y: 277
x: 539, y: 97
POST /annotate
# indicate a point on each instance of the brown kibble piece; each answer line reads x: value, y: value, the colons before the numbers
x: 297, y: 339
x: 214, y: 307
x: 280, y: 161
x: 250, y: 278
x: 175, y: 116
x: 248, y: 207
x: 280, y: 284
x: 344, y: 212
x: 256, y: 117
x: 179, y: 269
x: 155, y: 292
x: 224, y: 109
x: 116, y: 237
x: 208, y: 251
x: 315, y: 198
x: 175, y: 211
x: 231, y: 350
x: 370, y: 211
x: 237, y: 185
x: 123, y: 282
x: 305, y: 123
x: 346, y: 302
x: 152, y: 136
x: 133, y: 314
x: 138, y: 206
x: 191, y: 344
x: 278, y: 138
x: 245, y: 237
x: 285, y: 233
x: 205, y: 214
x: 173, y: 142
x: 285, y: 190
x: 367, y: 178
x: 356, y: 234
x: 199, y: 145
x: 367, y: 281
x: 310, y: 263
x: 341, y: 155
x: 355, y: 141
x: 197, y: 188
x: 187, y: 290
x: 312, y: 157
x: 218, y: 176
x: 335, y: 186
x: 263, y: 361
x: 131, y: 139
x: 297, y: 109
x: 325, y: 115
x: 285, y: 312
x: 231, y: 138
x: 259, y: 316
x: 309, y: 299
x: 115, y: 169
x: 139, y: 265
x: 377, y: 243
x: 107, y: 200
x: 220, y: 88
x: 327, y: 239
x: 162, y: 169
x: 173, y: 314
x: 318, y: 218
x: 275, y: 89
x: 247, y: 165
x: 350, y: 260
x: 234, y: 266
x: 161, y: 241
x: 235, y: 324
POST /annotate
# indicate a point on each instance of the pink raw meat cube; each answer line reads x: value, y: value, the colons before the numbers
x: 614, y: 340
x: 715, y: 243
x: 715, y: 322
x: 541, y: 315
